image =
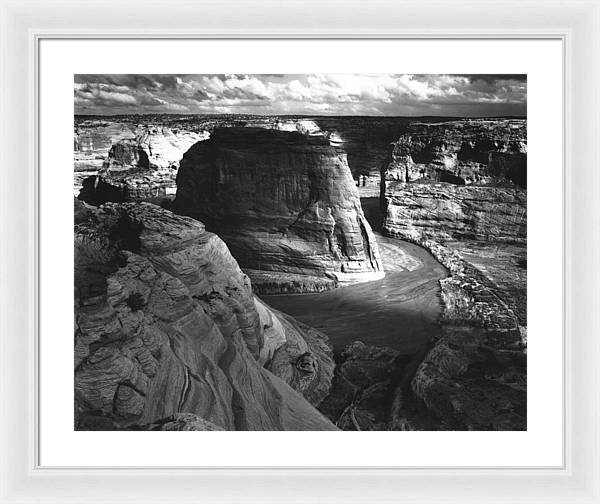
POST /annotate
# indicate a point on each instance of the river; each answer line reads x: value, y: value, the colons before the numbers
x: 399, y: 311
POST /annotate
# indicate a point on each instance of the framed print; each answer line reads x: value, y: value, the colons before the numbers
x: 346, y: 260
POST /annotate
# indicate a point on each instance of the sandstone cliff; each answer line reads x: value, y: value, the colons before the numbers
x: 470, y: 151
x: 366, y: 141
x: 458, y: 189
x: 166, y: 323
x: 141, y: 168
x: 154, y: 147
x: 285, y: 203
x: 446, y: 212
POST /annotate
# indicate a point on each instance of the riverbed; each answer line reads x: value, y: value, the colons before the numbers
x: 399, y: 311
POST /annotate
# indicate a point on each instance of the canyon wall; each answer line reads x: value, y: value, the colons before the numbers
x: 286, y: 205
x: 446, y: 212
x: 469, y: 151
x: 140, y: 165
x: 366, y: 141
x: 458, y: 189
x: 169, y: 336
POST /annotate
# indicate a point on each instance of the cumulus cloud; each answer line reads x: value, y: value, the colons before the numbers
x: 326, y: 94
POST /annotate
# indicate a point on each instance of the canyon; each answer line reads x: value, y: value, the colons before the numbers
x: 365, y: 140
x: 300, y: 273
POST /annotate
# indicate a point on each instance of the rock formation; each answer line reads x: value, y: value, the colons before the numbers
x: 285, y: 203
x: 156, y: 148
x: 366, y: 141
x: 141, y: 168
x: 371, y: 390
x: 458, y: 189
x: 475, y: 375
x: 166, y: 323
x: 471, y: 151
x: 446, y: 212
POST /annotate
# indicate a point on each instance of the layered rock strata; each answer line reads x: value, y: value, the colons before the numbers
x: 458, y: 189
x: 142, y: 168
x: 471, y: 151
x: 166, y: 323
x: 157, y: 148
x: 285, y: 203
x: 446, y: 212
x: 474, y: 376
x: 493, y: 149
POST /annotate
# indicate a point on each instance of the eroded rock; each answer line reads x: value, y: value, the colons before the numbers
x: 142, y: 168
x: 446, y: 212
x: 166, y: 323
x: 468, y: 151
x: 284, y: 202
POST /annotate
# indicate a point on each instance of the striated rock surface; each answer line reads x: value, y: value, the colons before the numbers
x: 154, y: 147
x: 469, y: 151
x: 285, y: 203
x: 366, y: 141
x: 446, y: 212
x: 183, y: 422
x: 166, y: 323
x: 92, y: 139
x: 138, y: 186
x: 142, y: 168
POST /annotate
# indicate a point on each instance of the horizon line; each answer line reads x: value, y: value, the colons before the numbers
x: 300, y: 115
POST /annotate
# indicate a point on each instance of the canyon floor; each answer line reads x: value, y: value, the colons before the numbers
x: 400, y: 311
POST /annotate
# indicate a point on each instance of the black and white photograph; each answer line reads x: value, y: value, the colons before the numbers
x: 300, y: 252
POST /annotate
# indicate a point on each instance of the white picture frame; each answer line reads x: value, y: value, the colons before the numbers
x: 24, y: 24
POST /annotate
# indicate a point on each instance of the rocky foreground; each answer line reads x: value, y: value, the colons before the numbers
x: 167, y: 324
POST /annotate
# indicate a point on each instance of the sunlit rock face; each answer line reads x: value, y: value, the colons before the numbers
x: 284, y: 202
x: 166, y: 323
x: 470, y: 151
x: 154, y: 147
x: 94, y: 138
x: 141, y: 168
x: 366, y: 141
x: 446, y: 212
x: 458, y: 181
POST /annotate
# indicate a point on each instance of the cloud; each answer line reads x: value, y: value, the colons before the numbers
x: 332, y: 94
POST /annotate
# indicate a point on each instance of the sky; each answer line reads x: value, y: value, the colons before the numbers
x: 306, y: 94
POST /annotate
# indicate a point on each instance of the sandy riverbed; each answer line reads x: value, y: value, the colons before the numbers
x: 399, y: 311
